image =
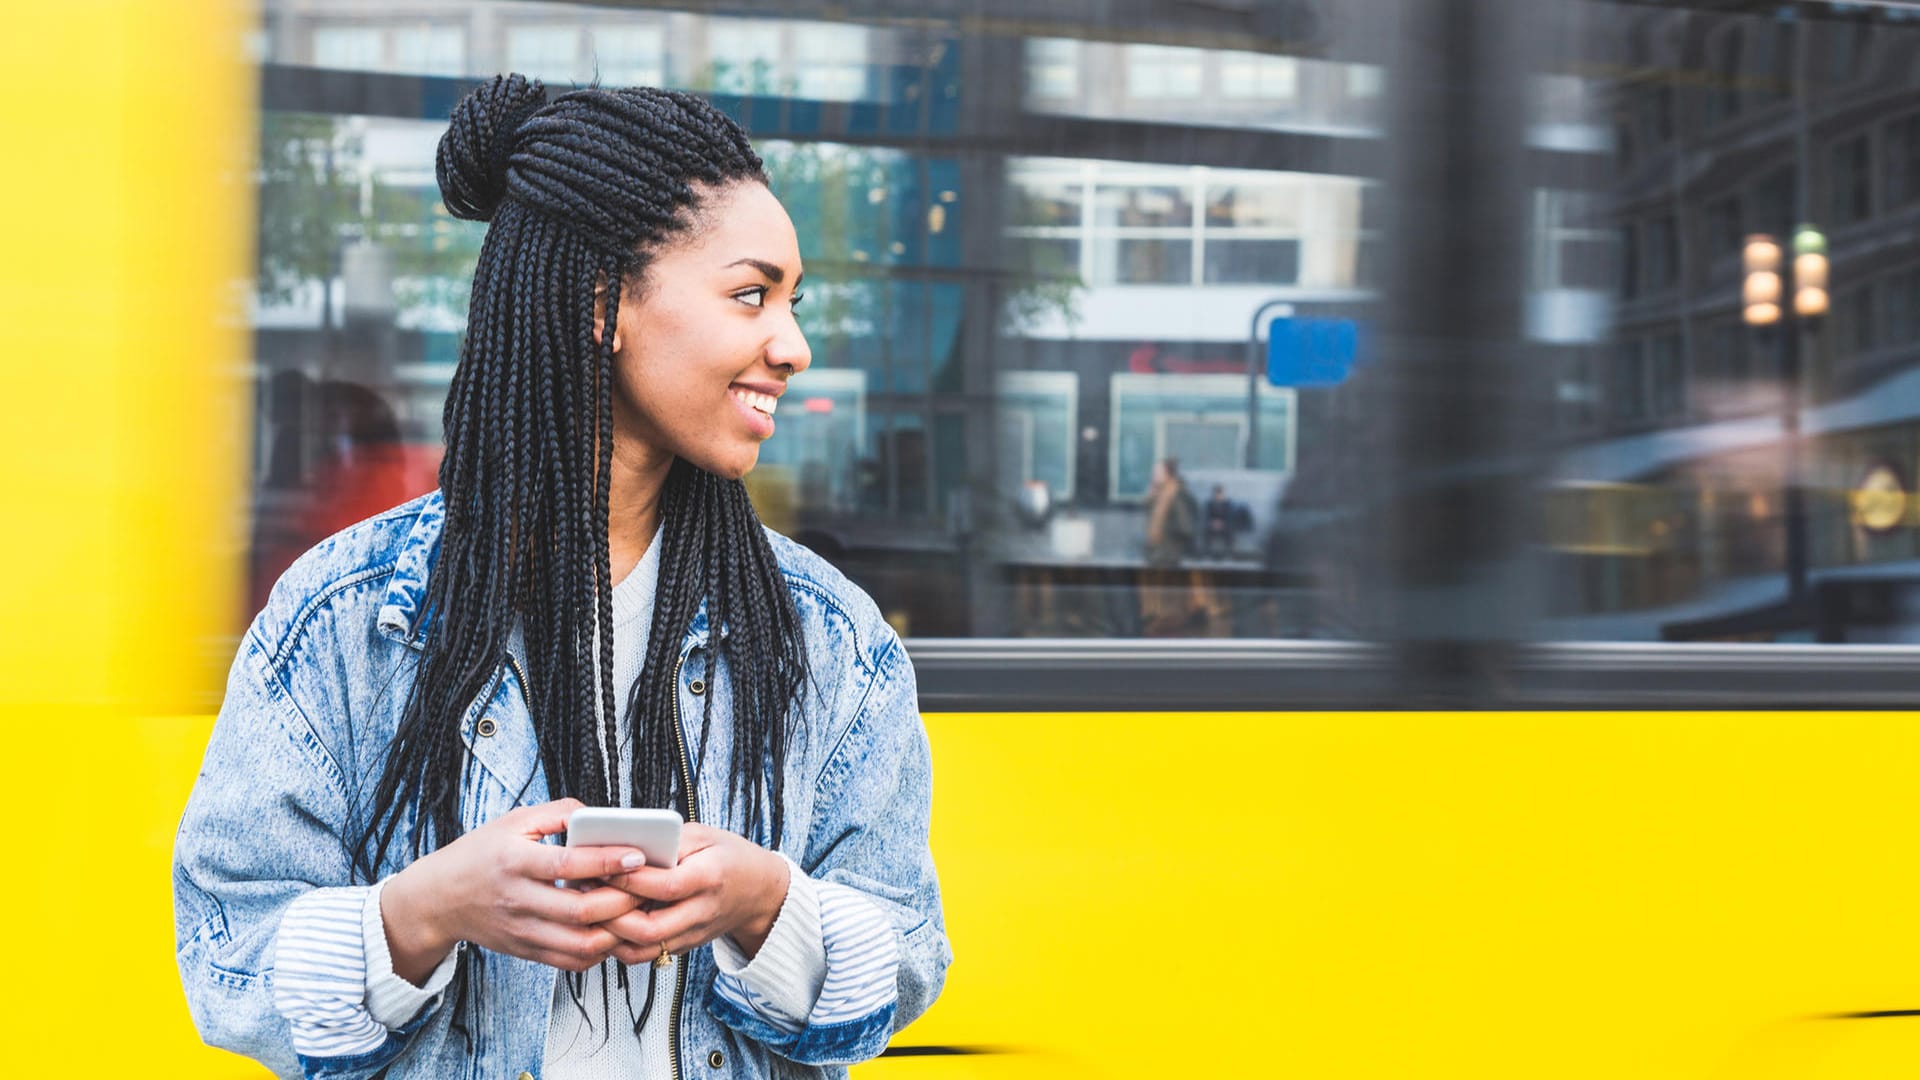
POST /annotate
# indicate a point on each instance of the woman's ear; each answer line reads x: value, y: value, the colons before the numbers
x: 600, y: 313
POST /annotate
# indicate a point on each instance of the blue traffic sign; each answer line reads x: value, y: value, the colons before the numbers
x: 1311, y: 352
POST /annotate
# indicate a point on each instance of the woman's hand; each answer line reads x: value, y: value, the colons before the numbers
x: 494, y: 887
x: 723, y: 885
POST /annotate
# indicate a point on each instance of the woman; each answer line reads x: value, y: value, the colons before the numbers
x: 1166, y: 607
x: 588, y: 611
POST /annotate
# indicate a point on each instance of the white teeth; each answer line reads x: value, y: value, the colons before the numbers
x: 765, y: 403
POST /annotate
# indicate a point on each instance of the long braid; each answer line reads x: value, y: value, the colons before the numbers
x: 579, y: 193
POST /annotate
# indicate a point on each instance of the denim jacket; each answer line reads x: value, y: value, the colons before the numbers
x: 312, y: 703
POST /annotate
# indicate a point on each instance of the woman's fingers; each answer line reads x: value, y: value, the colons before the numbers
x: 634, y: 955
x: 549, y: 862
x: 657, y: 884
x: 546, y: 819
x: 569, y: 907
x: 684, y: 925
x: 573, y: 948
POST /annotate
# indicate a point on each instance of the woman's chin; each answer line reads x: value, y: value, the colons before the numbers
x: 731, y: 464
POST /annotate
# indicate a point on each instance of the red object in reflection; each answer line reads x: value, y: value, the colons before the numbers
x: 337, y: 458
x: 368, y: 480
x: 345, y: 489
x: 818, y: 404
x: 1147, y: 359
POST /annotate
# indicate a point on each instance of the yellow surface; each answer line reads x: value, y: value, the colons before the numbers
x: 127, y: 129
x: 1367, y: 894
x: 1491, y: 894
x: 127, y: 231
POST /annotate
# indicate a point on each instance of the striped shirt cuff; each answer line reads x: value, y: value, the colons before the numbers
x: 863, y: 957
x: 782, y: 980
x: 392, y: 1000
x: 319, y: 975
x: 831, y: 958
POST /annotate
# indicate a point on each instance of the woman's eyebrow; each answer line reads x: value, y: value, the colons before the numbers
x: 774, y: 273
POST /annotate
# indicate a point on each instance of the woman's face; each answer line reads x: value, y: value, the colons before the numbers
x: 701, y: 357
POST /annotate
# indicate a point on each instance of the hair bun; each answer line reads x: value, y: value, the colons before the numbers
x: 471, y: 164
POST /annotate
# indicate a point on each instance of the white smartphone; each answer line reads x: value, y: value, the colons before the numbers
x: 655, y: 832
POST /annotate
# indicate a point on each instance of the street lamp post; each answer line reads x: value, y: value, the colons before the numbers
x: 1256, y: 368
x: 1769, y: 284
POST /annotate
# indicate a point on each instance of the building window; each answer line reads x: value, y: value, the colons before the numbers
x: 1145, y: 260
x: 1143, y: 234
x: 1251, y: 262
x: 1047, y: 200
x: 349, y: 48
x: 1053, y: 68
x: 1200, y: 420
x: 1627, y: 386
x: 430, y: 50
x: 1902, y: 316
x: 1575, y: 394
x: 1662, y: 254
x: 1850, y: 193
x: 1258, y: 76
x: 630, y: 55
x: 1723, y: 87
x: 1725, y: 237
x: 1772, y: 65
x: 1045, y: 234
x: 744, y: 55
x: 1847, y: 45
x: 1669, y: 373
x: 1038, y: 414
x: 1656, y: 110
x: 1770, y: 204
x: 1720, y: 378
x: 1570, y: 250
x: 1145, y: 205
x: 548, y: 53
x: 1364, y: 80
x: 1255, y: 206
x: 1854, y: 330
x: 1903, y: 161
x: 830, y: 61
x: 1629, y: 261
x: 1164, y: 72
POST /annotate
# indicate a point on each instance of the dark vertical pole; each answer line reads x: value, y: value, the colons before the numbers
x: 1795, y: 510
x: 1463, y: 390
x: 991, y: 87
x: 1792, y: 373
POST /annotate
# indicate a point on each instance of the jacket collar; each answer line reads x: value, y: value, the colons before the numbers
x: 402, y: 618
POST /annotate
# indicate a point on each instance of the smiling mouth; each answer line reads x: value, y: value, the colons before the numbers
x: 765, y: 403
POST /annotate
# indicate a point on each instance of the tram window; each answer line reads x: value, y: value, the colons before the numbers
x: 983, y: 438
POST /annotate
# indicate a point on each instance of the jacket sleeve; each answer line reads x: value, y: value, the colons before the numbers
x: 879, y: 899
x: 261, y: 855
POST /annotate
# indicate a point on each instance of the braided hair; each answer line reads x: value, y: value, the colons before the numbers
x: 580, y: 193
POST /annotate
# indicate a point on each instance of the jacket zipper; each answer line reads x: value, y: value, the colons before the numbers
x: 693, y: 814
x: 526, y: 691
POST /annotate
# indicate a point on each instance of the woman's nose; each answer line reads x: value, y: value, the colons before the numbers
x: 790, y: 350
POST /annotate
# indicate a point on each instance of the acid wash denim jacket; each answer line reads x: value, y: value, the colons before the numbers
x: 313, y: 701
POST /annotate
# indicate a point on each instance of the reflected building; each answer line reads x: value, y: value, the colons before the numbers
x: 1669, y: 514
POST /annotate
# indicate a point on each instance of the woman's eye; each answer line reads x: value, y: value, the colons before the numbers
x: 797, y: 297
x: 752, y: 297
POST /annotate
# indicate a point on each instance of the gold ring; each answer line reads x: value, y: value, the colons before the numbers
x: 665, y: 959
